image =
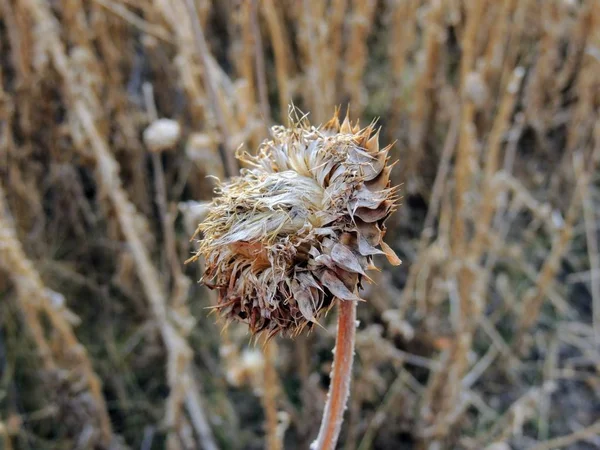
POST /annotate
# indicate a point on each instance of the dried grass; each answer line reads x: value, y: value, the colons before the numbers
x: 487, y: 336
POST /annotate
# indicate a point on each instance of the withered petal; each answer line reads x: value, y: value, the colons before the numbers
x: 331, y: 281
x: 373, y: 215
x: 346, y: 259
x: 390, y: 254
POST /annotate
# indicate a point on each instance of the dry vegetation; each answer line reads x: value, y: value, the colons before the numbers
x: 488, y: 336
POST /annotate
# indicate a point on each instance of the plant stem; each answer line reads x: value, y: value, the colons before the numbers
x: 211, y: 87
x: 269, y: 398
x: 339, y: 388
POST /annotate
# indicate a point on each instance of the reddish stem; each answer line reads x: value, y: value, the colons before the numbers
x: 339, y: 388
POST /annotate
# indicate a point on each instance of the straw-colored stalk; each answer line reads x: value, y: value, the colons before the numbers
x: 355, y: 57
x: 313, y: 44
x: 542, y: 99
x: 583, y: 30
x: 259, y: 65
x: 434, y: 34
x: 493, y: 57
x: 402, y: 36
x: 437, y: 191
x: 444, y: 388
x: 335, y: 33
x: 281, y: 50
x: 587, y: 81
x: 534, y: 298
x: 242, y: 48
x: 171, y: 12
x: 465, y: 157
x: 164, y: 140
x: 591, y: 225
x: 471, y: 278
x: 35, y: 301
x: 487, y: 204
x: 584, y: 168
x: 211, y: 87
x: 178, y: 352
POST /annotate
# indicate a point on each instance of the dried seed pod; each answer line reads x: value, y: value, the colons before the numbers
x: 299, y: 227
x: 162, y: 134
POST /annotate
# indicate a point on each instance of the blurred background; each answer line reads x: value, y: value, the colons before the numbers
x: 114, y: 115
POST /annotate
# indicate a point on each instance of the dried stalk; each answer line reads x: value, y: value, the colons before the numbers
x: 432, y: 212
x: 339, y: 388
x: 243, y: 48
x: 487, y: 204
x: 589, y: 216
x: 444, y: 390
x: 125, y: 14
x: 494, y: 52
x: 259, y: 60
x: 212, y: 88
x: 355, y: 57
x: 269, y: 397
x: 533, y: 300
x: 335, y: 33
x: 36, y: 300
x: 281, y: 49
x: 312, y: 41
x: 590, y: 432
x: 171, y: 12
x: 179, y: 353
x: 465, y: 156
x: 402, y: 36
x: 161, y: 199
x: 425, y: 82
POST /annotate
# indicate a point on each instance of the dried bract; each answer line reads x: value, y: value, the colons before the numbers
x: 299, y: 227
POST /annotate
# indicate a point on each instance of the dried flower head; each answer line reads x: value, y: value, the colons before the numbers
x: 300, y: 226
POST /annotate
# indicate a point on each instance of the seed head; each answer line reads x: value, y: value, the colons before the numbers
x: 299, y: 227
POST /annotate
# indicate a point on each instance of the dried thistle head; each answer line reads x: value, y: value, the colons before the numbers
x: 299, y: 227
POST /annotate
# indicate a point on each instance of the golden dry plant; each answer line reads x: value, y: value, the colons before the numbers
x: 117, y: 118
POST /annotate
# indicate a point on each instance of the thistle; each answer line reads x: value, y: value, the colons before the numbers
x: 297, y: 231
x: 299, y: 227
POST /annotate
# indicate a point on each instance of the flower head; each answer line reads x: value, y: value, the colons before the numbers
x: 299, y: 227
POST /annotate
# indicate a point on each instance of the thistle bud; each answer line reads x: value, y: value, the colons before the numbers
x: 299, y: 227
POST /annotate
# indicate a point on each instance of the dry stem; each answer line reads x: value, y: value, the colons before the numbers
x: 211, y: 88
x: 585, y: 433
x: 269, y: 397
x: 594, y: 257
x: 259, y: 60
x: 36, y: 300
x: 281, y: 50
x: 179, y: 353
x: 339, y: 387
